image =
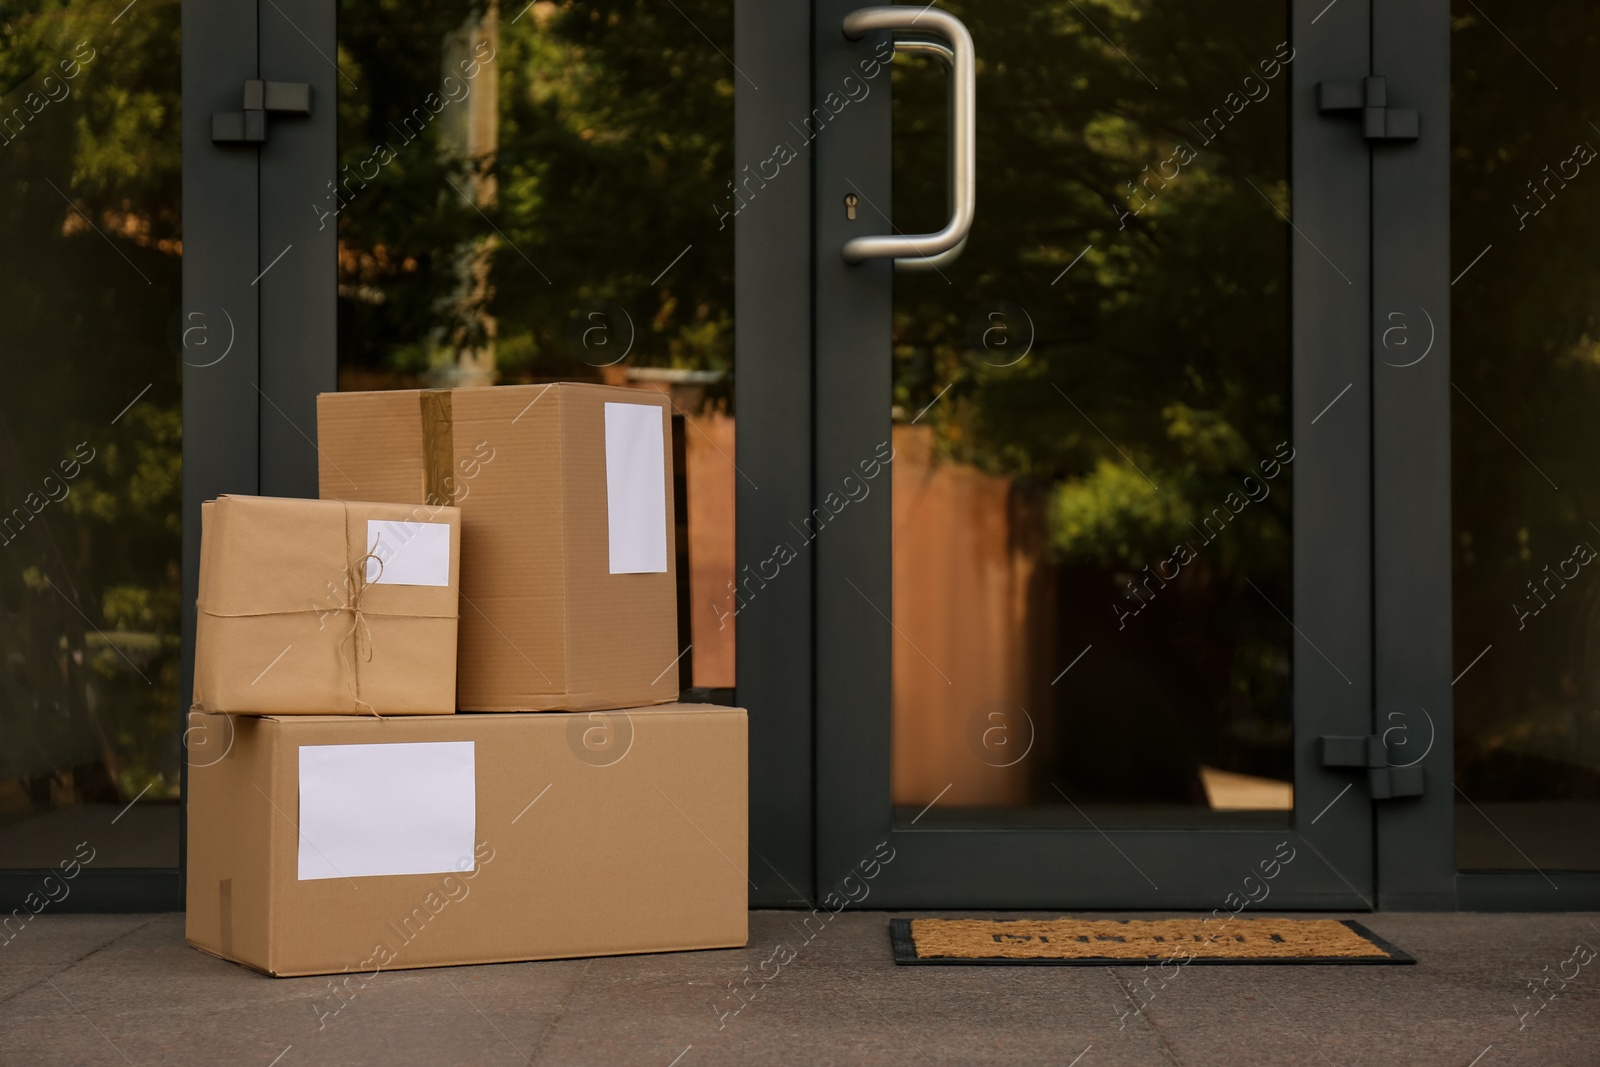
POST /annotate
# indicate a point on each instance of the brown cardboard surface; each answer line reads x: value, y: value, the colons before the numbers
x: 284, y: 627
x: 628, y: 840
x: 544, y: 624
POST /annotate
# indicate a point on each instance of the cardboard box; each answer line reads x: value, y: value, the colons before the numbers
x: 326, y: 607
x: 524, y: 837
x: 568, y: 588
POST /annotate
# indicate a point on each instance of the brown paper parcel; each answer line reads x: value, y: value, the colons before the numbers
x: 591, y: 835
x: 289, y: 624
x: 547, y: 623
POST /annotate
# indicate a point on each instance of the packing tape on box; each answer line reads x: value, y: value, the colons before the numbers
x: 438, y: 447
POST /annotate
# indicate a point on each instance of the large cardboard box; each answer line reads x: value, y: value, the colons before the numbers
x: 568, y: 588
x: 326, y: 607
x: 505, y: 837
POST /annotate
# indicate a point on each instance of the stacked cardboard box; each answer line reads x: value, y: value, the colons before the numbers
x: 568, y: 589
x: 343, y: 816
x: 326, y: 606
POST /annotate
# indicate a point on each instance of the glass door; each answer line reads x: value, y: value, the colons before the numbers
x: 1092, y: 505
x: 1524, y: 220
x: 90, y: 442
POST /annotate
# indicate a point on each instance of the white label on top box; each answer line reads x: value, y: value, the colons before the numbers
x: 636, y: 488
x: 408, y: 553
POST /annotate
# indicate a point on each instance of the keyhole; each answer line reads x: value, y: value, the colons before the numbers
x: 850, y: 202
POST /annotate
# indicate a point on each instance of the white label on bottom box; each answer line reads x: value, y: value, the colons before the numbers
x: 387, y: 809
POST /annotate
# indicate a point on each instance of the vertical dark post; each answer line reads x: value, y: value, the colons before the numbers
x: 853, y: 376
x: 1411, y: 451
x: 220, y: 315
x: 299, y: 244
x: 773, y: 342
x: 1330, y: 264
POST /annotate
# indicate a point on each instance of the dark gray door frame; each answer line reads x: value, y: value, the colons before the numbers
x: 221, y: 204
x: 1075, y: 868
x: 221, y: 208
x: 1411, y: 455
x: 298, y: 246
x: 1411, y: 490
x: 773, y: 339
x: 259, y: 277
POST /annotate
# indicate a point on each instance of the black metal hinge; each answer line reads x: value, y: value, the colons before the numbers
x: 1370, y: 96
x: 1383, y: 778
x: 250, y: 125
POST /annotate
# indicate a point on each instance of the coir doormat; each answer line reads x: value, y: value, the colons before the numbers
x: 1105, y: 943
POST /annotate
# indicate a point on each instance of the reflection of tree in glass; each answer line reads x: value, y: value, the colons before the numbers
x: 1526, y: 355
x: 1169, y: 336
x: 89, y: 591
x: 609, y: 143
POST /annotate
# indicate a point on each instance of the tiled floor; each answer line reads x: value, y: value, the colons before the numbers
x: 115, y: 989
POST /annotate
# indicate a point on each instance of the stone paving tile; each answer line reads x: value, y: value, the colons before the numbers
x: 114, y: 989
x: 830, y: 1014
x: 69, y: 938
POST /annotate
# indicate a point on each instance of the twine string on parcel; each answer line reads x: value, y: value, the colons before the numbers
x: 359, y: 650
x: 359, y: 635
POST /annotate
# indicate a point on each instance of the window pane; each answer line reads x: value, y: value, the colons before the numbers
x: 1092, y: 477
x: 1525, y: 221
x: 90, y: 433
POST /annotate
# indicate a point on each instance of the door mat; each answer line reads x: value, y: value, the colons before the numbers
x: 1109, y: 943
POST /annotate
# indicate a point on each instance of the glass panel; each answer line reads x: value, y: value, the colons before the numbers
x: 1525, y: 323
x: 1091, y: 424
x: 90, y: 434
x: 537, y: 197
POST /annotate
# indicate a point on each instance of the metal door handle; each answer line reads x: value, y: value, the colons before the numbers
x: 925, y: 251
x: 943, y: 52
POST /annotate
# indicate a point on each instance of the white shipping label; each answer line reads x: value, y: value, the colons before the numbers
x: 411, y: 553
x: 636, y: 488
x: 387, y: 809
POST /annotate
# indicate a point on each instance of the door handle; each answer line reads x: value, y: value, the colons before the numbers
x: 947, y: 55
x: 926, y: 251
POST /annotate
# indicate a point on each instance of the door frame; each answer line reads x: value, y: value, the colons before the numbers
x: 772, y: 326
x: 1392, y: 586
x: 249, y: 417
x: 1413, y: 533
x: 1077, y: 868
x: 1411, y: 458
